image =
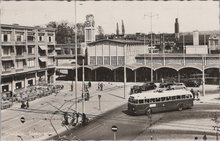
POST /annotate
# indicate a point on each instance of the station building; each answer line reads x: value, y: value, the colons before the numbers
x: 27, y: 56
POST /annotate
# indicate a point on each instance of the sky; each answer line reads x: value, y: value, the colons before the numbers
x: 192, y: 15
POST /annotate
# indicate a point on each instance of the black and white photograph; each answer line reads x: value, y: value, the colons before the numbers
x: 109, y: 70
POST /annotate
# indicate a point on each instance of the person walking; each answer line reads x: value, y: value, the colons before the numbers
x: 198, y: 94
x: 27, y: 104
x: 193, y: 93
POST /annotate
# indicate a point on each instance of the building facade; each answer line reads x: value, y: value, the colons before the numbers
x: 27, y: 56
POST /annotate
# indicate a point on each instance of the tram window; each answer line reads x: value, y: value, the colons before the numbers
x: 183, y: 96
x: 173, y: 98
x: 147, y: 100
x: 190, y: 96
x: 152, y: 100
x: 178, y: 97
x: 163, y: 98
x: 157, y: 99
x: 141, y: 101
x: 168, y: 98
x: 135, y: 101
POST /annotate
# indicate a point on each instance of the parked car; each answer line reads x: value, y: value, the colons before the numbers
x: 165, y: 86
x: 148, y: 86
x: 191, y: 84
x: 6, y: 104
x: 136, y: 89
x: 176, y: 86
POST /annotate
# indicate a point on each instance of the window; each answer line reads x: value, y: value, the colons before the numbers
x: 152, y: 100
x: 141, y: 101
x: 18, y: 85
x: 5, y: 38
x: 20, y: 64
x: 6, y: 51
x: 178, y: 97
x: 7, y: 65
x: 5, y: 88
x: 173, y: 97
x: 157, y: 99
x: 147, y: 100
x: 31, y: 62
x: 18, y: 38
x: 168, y: 98
x: 30, y: 38
x: 30, y: 82
x: 183, y: 96
x: 50, y: 39
x: 163, y: 98
x: 30, y: 50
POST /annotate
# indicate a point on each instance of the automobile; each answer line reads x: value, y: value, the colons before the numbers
x: 6, y: 104
x: 165, y: 86
x: 191, y: 84
x: 136, y: 89
x: 176, y: 86
x: 148, y: 86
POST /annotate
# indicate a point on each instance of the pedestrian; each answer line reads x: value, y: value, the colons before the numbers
x: 90, y: 84
x: 204, y: 137
x: 101, y: 86
x: 198, y: 94
x: 27, y: 104
x: 98, y: 86
x: 193, y: 93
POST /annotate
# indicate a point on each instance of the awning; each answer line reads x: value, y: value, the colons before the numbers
x: 42, y: 47
x: 42, y: 59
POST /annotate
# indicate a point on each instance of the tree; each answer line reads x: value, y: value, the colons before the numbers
x: 65, y: 32
x: 100, y: 32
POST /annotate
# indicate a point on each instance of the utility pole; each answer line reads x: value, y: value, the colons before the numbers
x: 76, y: 71
x: 83, y: 87
x: 151, y: 55
x: 0, y: 72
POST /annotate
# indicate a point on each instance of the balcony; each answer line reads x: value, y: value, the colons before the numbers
x: 20, y: 42
x: 7, y: 43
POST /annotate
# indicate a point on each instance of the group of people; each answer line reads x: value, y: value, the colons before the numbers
x: 23, y: 105
x: 195, y: 94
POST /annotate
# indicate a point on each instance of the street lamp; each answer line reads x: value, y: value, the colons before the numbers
x: 76, y: 69
x: 151, y: 55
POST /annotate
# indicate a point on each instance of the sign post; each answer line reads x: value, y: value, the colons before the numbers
x: 114, y: 130
x: 99, y: 96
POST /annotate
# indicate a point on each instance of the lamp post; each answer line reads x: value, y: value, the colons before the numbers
x: 76, y: 69
x: 151, y: 36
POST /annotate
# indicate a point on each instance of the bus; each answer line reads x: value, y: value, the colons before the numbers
x: 159, y: 101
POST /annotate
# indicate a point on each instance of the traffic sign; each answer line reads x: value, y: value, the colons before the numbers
x: 114, y: 128
x: 22, y: 119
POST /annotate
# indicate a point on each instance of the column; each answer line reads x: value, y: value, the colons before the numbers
x: 203, y: 76
x: 135, y: 76
x: 46, y: 76
x: 25, y: 82
x: 54, y: 76
x: 95, y: 75
x: 13, y: 85
x: 178, y: 76
x: 115, y: 77
x: 156, y: 76
x: 35, y: 78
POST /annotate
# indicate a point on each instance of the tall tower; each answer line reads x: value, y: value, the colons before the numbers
x: 177, y: 29
x: 123, y: 28
x: 117, y: 30
x: 89, y: 29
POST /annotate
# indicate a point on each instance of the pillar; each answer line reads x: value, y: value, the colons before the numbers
x: 115, y: 75
x: 135, y: 76
x: 46, y: 76
x: 203, y: 76
x: 156, y: 76
x: 25, y: 82
x: 35, y: 78
x: 95, y: 75
x: 13, y: 85
x: 178, y: 76
x: 54, y: 76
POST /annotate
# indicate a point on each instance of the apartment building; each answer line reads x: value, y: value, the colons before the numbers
x: 27, y: 56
